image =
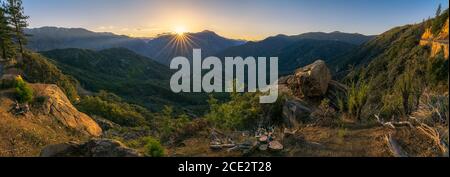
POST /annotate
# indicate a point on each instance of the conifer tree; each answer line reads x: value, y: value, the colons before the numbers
x: 439, y: 10
x: 18, y: 22
x: 6, y: 44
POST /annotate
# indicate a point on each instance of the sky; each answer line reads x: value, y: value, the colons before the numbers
x: 239, y: 19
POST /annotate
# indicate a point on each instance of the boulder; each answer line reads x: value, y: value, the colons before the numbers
x: 92, y: 148
x: 58, y: 106
x: 311, y: 80
x: 294, y: 112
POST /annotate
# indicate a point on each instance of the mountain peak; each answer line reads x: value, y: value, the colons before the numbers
x: 208, y: 31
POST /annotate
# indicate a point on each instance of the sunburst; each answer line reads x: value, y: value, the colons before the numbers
x: 180, y: 43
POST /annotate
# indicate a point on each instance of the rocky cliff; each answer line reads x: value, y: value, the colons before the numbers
x: 438, y: 42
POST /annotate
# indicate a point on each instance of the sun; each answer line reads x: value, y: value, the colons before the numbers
x: 180, y: 30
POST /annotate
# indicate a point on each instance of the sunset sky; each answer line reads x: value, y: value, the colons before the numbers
x: 243, y: 19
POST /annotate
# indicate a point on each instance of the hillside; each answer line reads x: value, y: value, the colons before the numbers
x: 54, y: 120
x: 393, y: 38
x: 121, y: 71
x: 404, y: 37
x: 307, y: 51
x: 394, y: 59
x: 299, y: 50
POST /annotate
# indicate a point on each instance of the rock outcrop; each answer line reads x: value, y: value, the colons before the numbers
x: 52, y: 119
x: 58, y: 106
x: 92, y: 148
x: 305, y: 89
x: 437, y: 43
x: 310, y: 81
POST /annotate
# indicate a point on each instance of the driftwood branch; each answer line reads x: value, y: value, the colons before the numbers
x: 434, y: 135
x: 430, y: 132
x: 395, y: 148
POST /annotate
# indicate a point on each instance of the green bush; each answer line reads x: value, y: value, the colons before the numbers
x: 169, y: 123
x: 437, y: 69
x: 24, y: 92
x: 153, y: 147
x: 241, y: 112
x: 357, y: 99
x: 39, y: 69
x: 439, y: 22
x: 110, y: 106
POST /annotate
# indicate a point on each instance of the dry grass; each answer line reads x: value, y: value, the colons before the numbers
x: 25, y: 136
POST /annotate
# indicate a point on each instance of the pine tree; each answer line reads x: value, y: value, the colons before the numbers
x: 18, y: 20
x: 6, y: 44
x: 439, y: 10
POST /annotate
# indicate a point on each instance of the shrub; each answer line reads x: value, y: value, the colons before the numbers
x: 357, y: 99
x: 24, y: 92
x: 437, y: 69
x: 241, y: 112
x: 153, y: 147
x: 118, y: 112
x: 439, y: 22
x: 39, y: 69
x: 169, y: 123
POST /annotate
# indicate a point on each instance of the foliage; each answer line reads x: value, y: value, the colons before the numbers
x: 169, y: 123
x: 111, y: 107
x: 153, y: 148
x: 437, y: 70
x: 439, y: 21
x: 6, y: 43
x: 397, y: 69
x: 24, y: 92
x: 242, y: 111
x: 18, y: 21
x: 37, y: 69
x: 357, y: 99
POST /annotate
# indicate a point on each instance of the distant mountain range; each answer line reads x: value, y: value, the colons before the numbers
x: 300, y: 50
x: 49, y: 38
x: 161, y: 48
x: 293, y: 51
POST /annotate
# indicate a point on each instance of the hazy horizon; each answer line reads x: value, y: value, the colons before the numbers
x: 247, y: 19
